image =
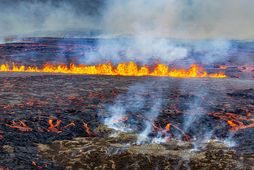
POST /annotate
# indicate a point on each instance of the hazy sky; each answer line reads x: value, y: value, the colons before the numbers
x: 231, y: 19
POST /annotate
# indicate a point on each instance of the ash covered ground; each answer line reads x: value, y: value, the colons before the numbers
x: 54, y: 121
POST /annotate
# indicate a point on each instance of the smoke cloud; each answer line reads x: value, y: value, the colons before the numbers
x: 140, y: 49
x: 227, y: 19
x: 181, y: 19
x: 43, y: 18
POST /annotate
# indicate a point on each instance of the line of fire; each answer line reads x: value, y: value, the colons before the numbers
x: 126, y: 85
x: 122, y: 69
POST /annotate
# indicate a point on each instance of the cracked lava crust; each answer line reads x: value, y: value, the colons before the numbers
x: 56, y: 122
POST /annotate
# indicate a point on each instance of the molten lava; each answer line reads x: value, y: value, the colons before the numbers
x: 236, y: 122
x: 54, y: 127
x: 21, y: 126
x: 167, y: 128
x: 122, y: 69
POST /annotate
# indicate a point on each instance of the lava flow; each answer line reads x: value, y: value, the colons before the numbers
x: 236, y: 122
x: 121, y: 69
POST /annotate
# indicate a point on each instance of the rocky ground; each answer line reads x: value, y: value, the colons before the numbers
x: 118, y: 153
x: 56, y: 122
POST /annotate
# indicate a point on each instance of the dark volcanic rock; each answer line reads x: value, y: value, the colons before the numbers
x: 34, y: 99
x: 107, y: 153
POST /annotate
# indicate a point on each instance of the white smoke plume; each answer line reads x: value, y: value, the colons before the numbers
x: 194, y: 117
x: 212, y: 51
x: 141, y: 97
x: 140, y: 49
x: 196, y: 109
x: 151, y: 116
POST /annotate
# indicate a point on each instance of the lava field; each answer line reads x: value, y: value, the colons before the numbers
x: 40, y: 112
x: 67, y: 121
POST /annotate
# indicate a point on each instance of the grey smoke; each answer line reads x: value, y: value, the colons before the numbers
x: 212, y: 51
x: 40, y: 18
x: 230, y: 19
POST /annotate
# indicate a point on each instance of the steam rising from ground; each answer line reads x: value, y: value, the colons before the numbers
x: 141, y: 97
x: 138, y: 110
x: 198, y: 108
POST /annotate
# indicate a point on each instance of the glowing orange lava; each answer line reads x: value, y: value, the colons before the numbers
x: 167, y: 128
x: 236, y: 122
x: 54, y: 127
x: 121, y: 69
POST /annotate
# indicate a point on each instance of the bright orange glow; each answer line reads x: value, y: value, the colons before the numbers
x: 248, y: 114
x: 54, y: 127
x: 232, y: 124
x: 121, y: 69
x: 236, y: 122
x: 167, y: 128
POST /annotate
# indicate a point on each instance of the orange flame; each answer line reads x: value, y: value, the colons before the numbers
x: 167, y: 128
x: 54, y: 127
x: 232, y: 124
x: 122, y: 69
